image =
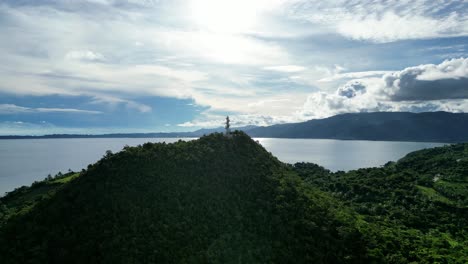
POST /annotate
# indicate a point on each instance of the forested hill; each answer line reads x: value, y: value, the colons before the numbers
x: 388, y: 126
x: 217, y: 199
x: 224, y: 199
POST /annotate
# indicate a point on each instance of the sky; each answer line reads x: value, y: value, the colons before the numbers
x: 111, y: 66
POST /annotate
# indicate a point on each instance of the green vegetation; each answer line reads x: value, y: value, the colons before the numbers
x: 23, y: 199
x: 433, y: 195
x: 414, y: 210
x: 214, y: 200
x: 227, y: 200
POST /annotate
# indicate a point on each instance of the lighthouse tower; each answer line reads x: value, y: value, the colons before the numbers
x: 227, y: 126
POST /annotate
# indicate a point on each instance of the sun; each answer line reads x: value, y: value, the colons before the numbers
x: 224, y: 16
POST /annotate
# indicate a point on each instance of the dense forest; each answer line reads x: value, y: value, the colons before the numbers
x: 224, y: 199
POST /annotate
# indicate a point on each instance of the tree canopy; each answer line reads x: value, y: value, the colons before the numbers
x: 225, y: 199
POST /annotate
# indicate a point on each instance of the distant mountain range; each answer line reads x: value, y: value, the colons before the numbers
x: 386, y: 126
x: 389, y: 126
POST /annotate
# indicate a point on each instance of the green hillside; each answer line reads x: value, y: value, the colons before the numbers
x: 416, y: 209
x: 225, y: 199
x: 23, y: 199
x: 212, y: 200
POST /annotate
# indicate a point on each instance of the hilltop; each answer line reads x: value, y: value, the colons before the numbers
x: 217, y: 199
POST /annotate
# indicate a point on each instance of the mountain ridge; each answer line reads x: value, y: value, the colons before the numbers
x: 377, y: 126
x: 383, y: 126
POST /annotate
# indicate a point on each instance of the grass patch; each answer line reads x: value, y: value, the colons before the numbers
x: 457, y: 191
x: 65, y: 179
x: 433, y: 195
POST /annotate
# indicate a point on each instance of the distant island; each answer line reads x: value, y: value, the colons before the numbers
x: 225, y: 199
x: 193, y: 134
x: 383, y: 126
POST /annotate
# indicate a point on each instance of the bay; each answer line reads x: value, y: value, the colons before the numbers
x: 23, y: 161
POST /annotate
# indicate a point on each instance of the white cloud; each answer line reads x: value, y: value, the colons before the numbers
x: 220, y: 48
x: 448, y: 80
x: 385, y: 21
x: 449, y: 69
x: 353, y: 75
x: 46, y: 128
x: 11, y: 108
x: 278, y: 104
x: 15, y: 109
x: 114, y: 101
x: 238, y: 120
x: 392, y: 27
x: 324, y: 105
x: 64, y: 110
x: 175, y: 61
x: 441, y: 87
x: 158, y: 50
x: 286, y: 68
x: 263, y: 103
x: 84, y: 55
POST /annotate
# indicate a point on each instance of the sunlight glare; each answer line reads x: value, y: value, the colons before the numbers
x: 225, y: 16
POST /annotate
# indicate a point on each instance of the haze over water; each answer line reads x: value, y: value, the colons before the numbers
x: 25, y: 161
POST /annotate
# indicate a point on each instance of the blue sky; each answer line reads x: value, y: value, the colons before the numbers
x: 103, y: 66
